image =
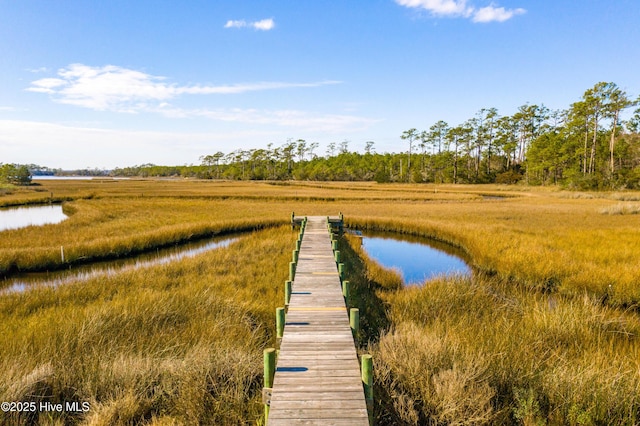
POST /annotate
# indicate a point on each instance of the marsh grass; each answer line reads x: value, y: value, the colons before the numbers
x: 621, y: 209
x: 545, y: 333
x: 175, y: 344
x: 478, y: 350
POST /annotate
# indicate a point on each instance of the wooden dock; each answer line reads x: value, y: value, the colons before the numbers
x: 317, y: 377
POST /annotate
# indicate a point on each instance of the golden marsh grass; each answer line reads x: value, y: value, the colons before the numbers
x: 546, y: 332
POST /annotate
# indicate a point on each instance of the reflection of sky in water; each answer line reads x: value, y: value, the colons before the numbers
x: 417, y: 262
x: 20, y: 217
x: 112, y: 267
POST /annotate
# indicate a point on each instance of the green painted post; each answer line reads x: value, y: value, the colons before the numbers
x: 345, y: 290
x: 337, y: 256
x: 334, y: 245
x: 292, y: 270
x: 298, y: 244
x: 294, y: 255
x: 287, y: 292
x: 341, y: 270
x: 354, y: 320
x: 279, y: 322
x: 367, y: 382
x: 269, y: 371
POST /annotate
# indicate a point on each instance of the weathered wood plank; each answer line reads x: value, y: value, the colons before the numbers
x: 317, y: 422
x: 318, y: 413
x: 335, y: 394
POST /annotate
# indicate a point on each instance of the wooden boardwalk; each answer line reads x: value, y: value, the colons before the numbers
x: 317, y: 379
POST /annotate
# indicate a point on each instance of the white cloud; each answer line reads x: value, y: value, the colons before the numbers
x: 439, y: 7
x: 113, y: 88
x: 495, y: 14
x: 262, y: 25
x: 460, y: 8
x: 235, y: 24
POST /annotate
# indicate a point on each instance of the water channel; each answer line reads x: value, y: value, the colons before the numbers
x: 417, y: 259
x: 20, y: 217
x: 22, y: 282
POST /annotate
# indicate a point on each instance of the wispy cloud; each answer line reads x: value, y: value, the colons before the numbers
x: 113, y: 88
x: 451, y: 8
x: 495, y: 14
x: 461, y: 9
x: 65, y: 146
x: 262, y: 25
x: 117, y: 89
x: 309, y: 121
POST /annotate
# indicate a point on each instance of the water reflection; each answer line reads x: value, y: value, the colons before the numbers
x: 20, y: 217
x: 418, y: 259
x: 22, y: 282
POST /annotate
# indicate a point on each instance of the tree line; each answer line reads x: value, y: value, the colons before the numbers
x: 586, y: 146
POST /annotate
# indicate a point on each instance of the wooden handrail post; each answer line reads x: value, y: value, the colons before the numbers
x: 279, y: 322
x: 354, y: 321
x: 269, y: 371
x: 367, y: 382
x: 292, y: 271
x: 287, y: 292
x: 346, y: 291
x: 337, y: 255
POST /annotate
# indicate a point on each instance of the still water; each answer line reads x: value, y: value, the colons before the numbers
x: 22, y: 282
x: 20, y: 217
x: 417, y: 259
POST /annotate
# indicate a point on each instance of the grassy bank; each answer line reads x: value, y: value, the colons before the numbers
x: 540, y: 241
x: 176, y: 343
x: 478, y: 350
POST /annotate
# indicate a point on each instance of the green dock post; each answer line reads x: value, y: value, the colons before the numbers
x: 354, y: 320
x: 345, y: 290
x: 279, y: 322
x: 341, y: 270
x: 298, y: 244
x: 337, y: 256
x: 294, y: 255
x: 367, y: 382
x: 292, y: 271
x: 269, y: 372
x: 287, y: 292
x: 334, y: 245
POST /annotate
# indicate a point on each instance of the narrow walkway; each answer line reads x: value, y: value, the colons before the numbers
x: 317, y: 379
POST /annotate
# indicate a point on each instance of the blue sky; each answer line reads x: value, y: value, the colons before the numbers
x: 100, y: 84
